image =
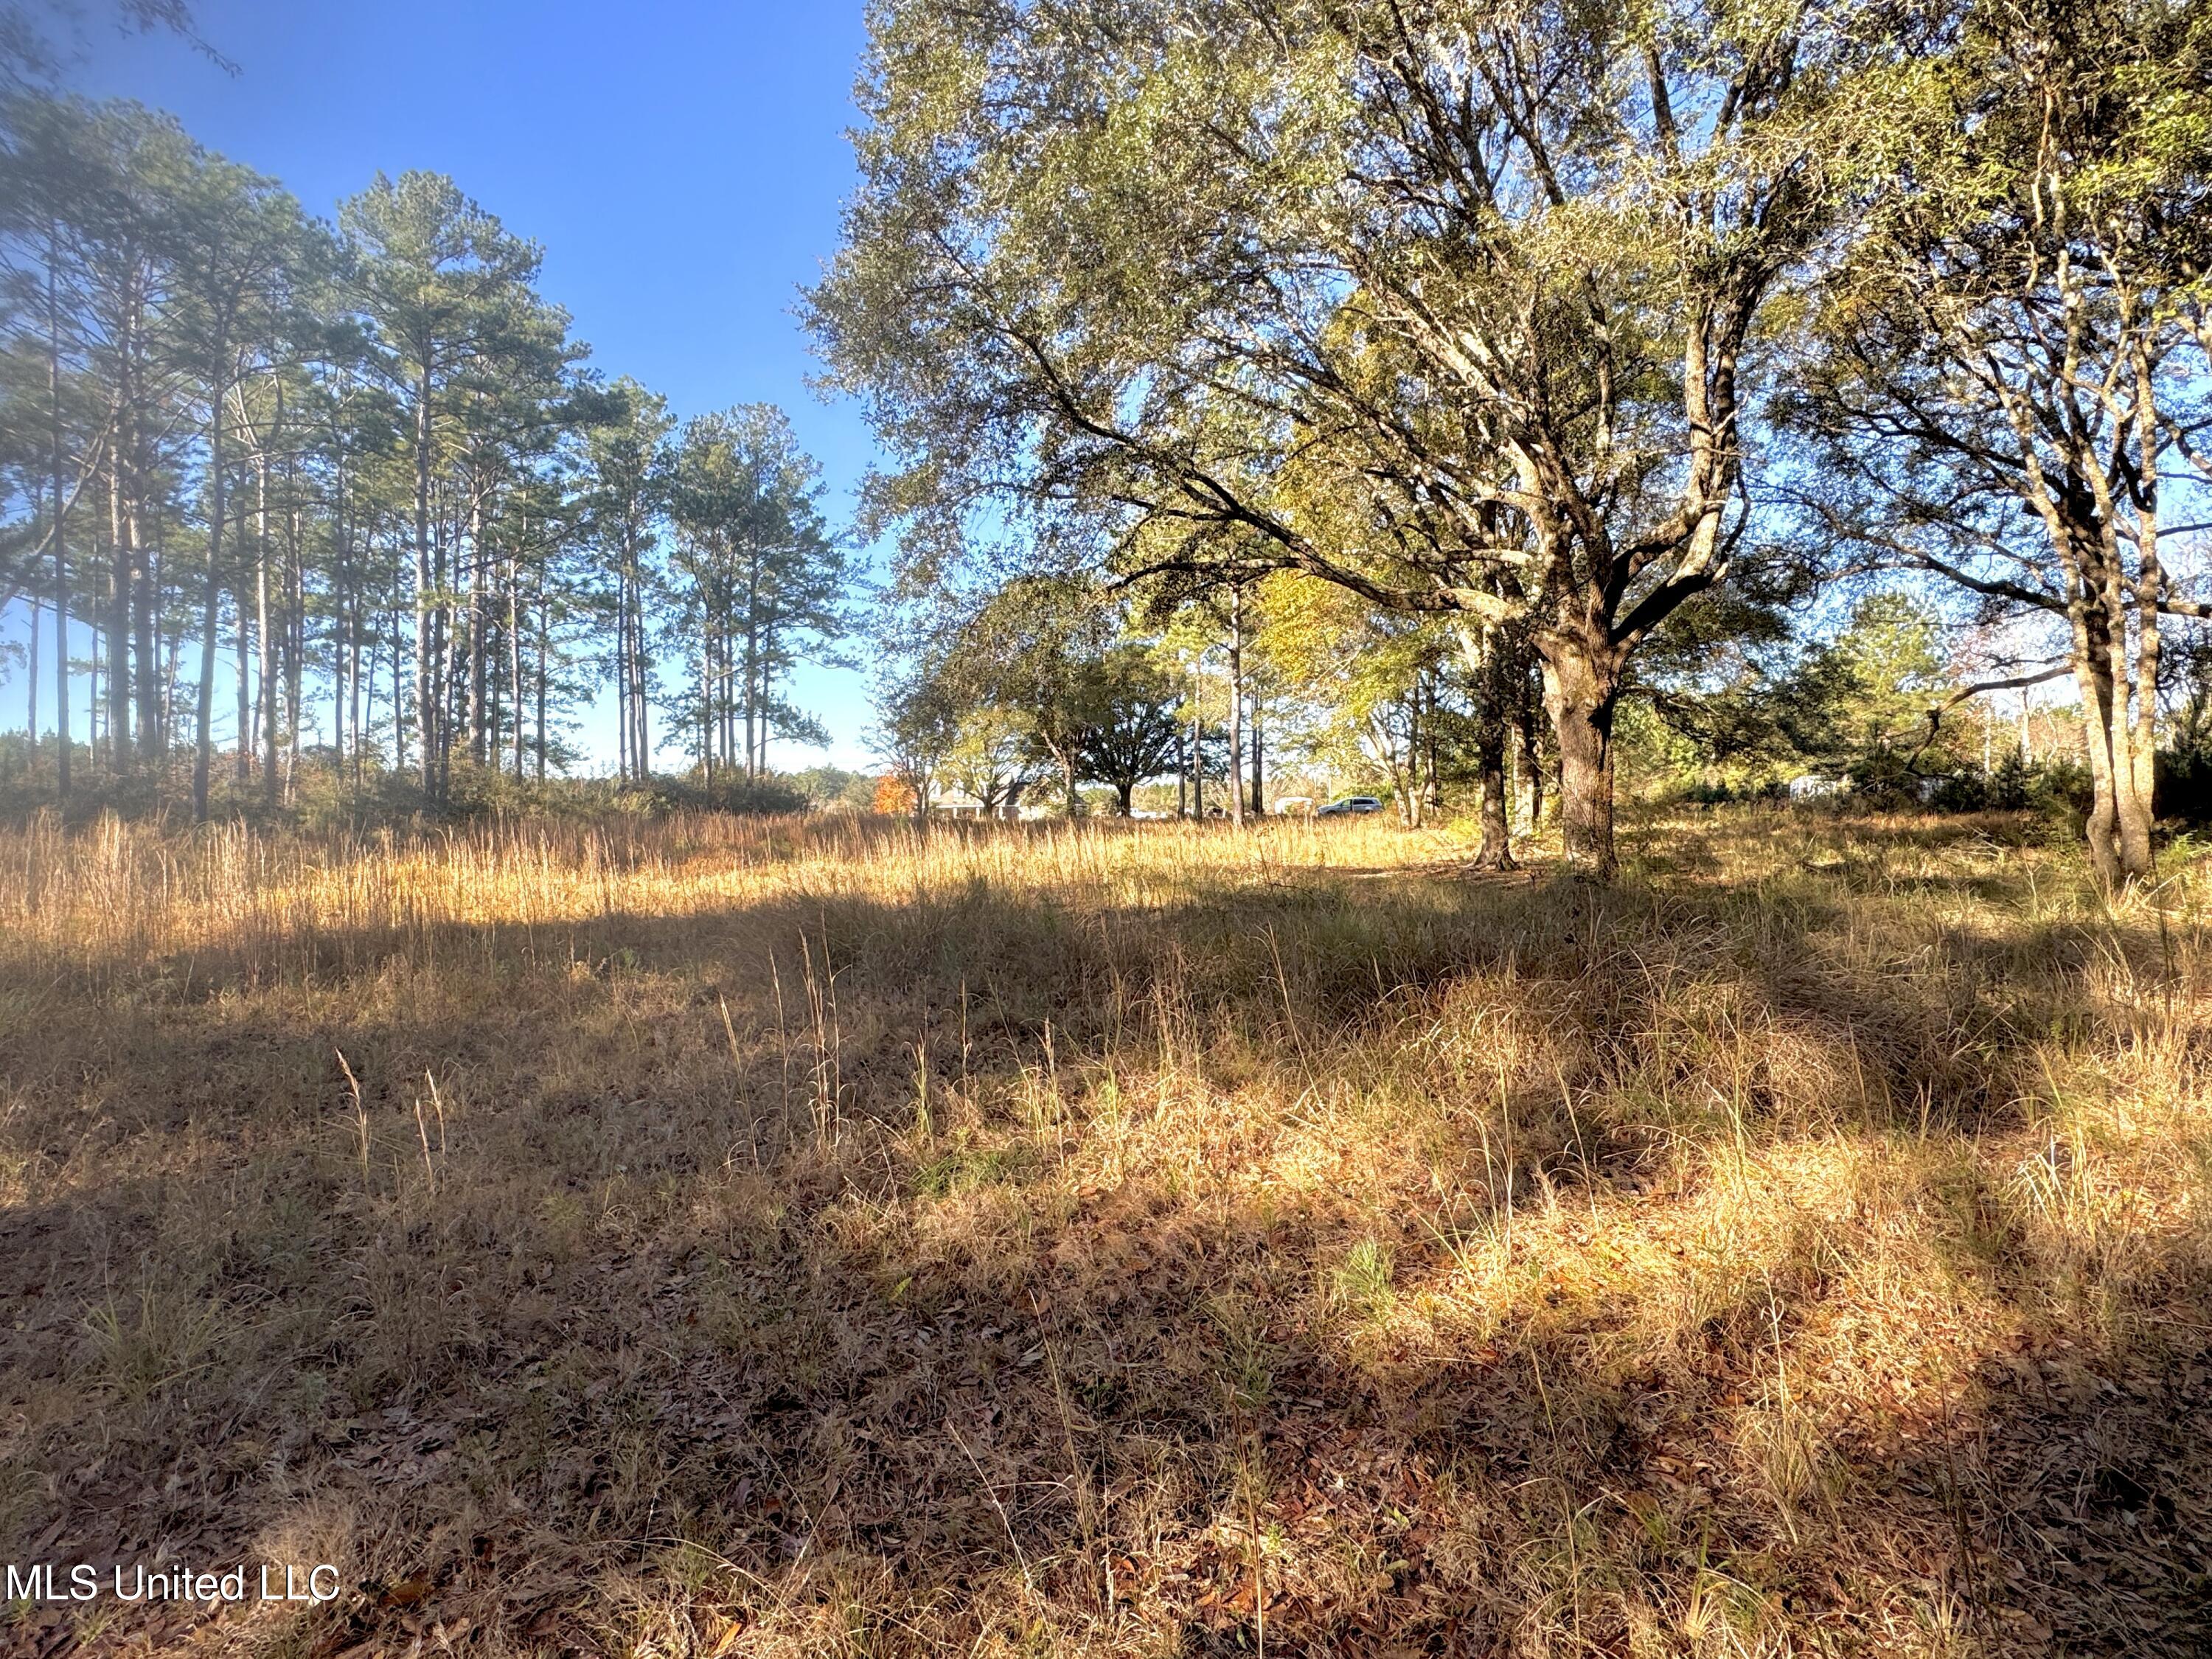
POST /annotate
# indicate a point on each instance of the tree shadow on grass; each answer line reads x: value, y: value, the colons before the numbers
x: 648, y: 1328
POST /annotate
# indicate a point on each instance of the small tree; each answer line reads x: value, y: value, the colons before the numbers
x: 1131, y: 725
x: 919, y: 726
x: 895, y: 794
x: 991, y: 759
x: 1031, y: 650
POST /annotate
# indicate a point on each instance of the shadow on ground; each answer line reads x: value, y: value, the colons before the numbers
x: 838, y: 1275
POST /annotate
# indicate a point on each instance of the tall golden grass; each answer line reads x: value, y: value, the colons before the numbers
x: 808, y: 1236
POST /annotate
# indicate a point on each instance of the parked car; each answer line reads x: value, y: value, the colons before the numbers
x: 1350, y: 807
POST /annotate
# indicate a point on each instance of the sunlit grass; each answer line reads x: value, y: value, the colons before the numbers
x: 813, y: 1236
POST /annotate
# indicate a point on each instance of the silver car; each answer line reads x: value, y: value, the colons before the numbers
x: 1350, y: 807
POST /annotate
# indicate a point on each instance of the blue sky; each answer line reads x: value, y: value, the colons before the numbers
x: 682, y: 163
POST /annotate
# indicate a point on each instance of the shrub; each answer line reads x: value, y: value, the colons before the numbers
x: 752, y: 796
x: 1967, y: 790
x: 2184, y: 790
x: 1881, y: 778
x: 2060, y: 788
x: 2011, y: 784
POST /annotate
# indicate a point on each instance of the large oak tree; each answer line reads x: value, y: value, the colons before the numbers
x: 1456, y: 305
x: 2013, y: 357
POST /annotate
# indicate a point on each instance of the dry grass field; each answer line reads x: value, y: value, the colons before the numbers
x: 790, y: 1237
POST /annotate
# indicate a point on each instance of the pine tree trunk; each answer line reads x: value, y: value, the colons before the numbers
x: 424, y: 721
x: 445, y: 640
x: 478, y: 629
x: 142, y: 604
x: 1237, y: 706
x: 95, y: 733
x: 752, y: 661
x: 1197, y: 751
x: 344, y: 661
x: 242, y: 745
x: 61, y: 515
x: 640, y: 745
x: 1432, y: 773
x: 399, y: 721
x: 171, y: 665
x: 204, y: 734
x: 267, y: 652
x: 628, y: 685
x: 637, y: 752
x: 544, y: 647
x: 117, y: 629
x: 514, y: 658
x: 295, y: 639
x: 31, y: 674
x: 353, y: 710
x: 1259, y: 802
x: 623, y: 768
x: 763, y: 700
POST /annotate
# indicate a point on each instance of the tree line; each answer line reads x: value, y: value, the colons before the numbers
x: 352, y: 490
x: 1590, y: 343
x: 1057, y: 694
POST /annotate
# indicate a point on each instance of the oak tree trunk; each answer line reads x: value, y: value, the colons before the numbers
x: 1581, y: 684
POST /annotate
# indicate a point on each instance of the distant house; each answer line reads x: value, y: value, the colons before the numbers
x: 1813, y: 786
x: 957, y: 804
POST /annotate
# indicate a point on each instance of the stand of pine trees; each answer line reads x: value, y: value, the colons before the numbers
x: 283, y: 493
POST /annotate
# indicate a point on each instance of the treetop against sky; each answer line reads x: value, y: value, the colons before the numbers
x: 682, y: 164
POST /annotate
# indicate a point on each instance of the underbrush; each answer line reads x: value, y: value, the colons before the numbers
x: 698, y: 1235
x: 319, y: 797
